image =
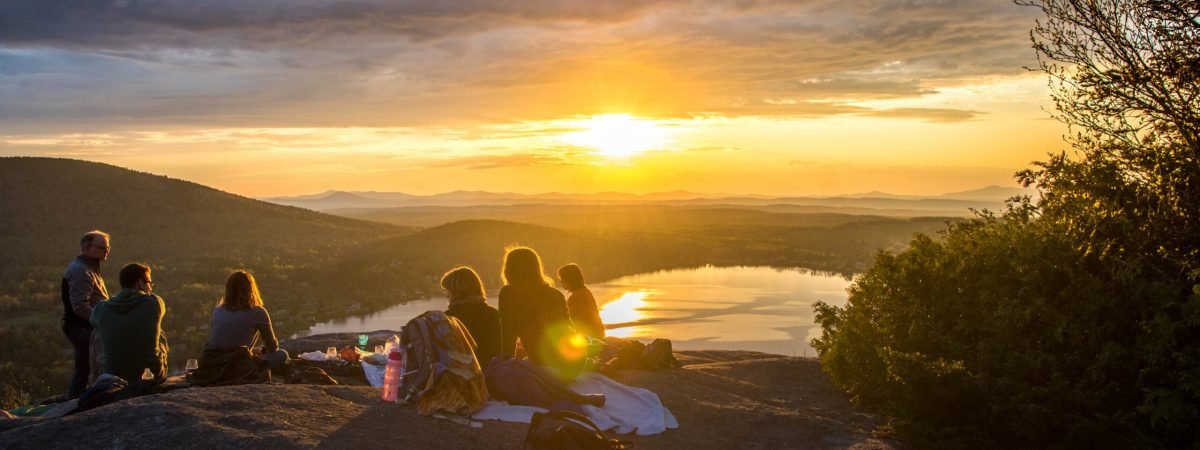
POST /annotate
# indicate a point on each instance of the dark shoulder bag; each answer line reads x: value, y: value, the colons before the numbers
x: 566, y: 430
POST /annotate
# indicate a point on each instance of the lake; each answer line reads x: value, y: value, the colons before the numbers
x: 707, y: 308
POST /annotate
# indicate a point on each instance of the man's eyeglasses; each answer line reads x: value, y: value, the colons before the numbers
x: 106, y: 248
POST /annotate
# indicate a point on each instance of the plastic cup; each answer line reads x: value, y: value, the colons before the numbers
x: 331, y: 352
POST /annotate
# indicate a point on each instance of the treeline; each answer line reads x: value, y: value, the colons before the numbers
x: 419, y: 259
x: 1073, y: 322
x: 650, y: 216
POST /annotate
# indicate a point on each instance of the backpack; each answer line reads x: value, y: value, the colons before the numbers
x: 566, y: 430
x: 659, y: 355
x: 106, y: 390
x: 441, y: 372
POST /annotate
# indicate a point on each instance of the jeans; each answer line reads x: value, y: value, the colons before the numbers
x: 81, y: 339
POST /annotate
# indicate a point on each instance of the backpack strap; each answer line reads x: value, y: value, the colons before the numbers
x: 576, y: 417
x: 421, y: 355
x: 582, y: 420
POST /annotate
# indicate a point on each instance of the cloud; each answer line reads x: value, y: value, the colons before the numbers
x: 80, y: 65
x: 118, y: 24
x: 483, y: 162
x: 928, y: 114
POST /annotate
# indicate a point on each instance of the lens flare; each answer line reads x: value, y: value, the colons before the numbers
x: 573, y: 347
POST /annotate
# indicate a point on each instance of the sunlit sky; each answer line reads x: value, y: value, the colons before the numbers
x: 283, y: 97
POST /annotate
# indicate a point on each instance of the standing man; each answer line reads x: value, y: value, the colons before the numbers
x: 130, y: 328
x: 83, y: 288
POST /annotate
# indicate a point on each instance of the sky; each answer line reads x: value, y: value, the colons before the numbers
x: 285, y: 97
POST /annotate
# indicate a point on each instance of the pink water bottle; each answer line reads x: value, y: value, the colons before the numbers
x: 393, y: 374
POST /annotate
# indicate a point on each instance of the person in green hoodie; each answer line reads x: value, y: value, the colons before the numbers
x: 130, y: 327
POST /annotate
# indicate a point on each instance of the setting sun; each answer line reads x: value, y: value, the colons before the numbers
x: 618, y: 135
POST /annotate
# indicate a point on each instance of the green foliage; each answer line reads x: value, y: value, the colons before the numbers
x: 1074, y: 323
x: 1002, y: 334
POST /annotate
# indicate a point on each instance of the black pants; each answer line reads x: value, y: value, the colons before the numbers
x: 81, y: 338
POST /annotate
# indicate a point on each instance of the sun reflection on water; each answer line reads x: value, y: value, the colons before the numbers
x: 626, y: 309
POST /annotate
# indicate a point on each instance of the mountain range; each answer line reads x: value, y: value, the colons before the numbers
x: 872, y: 203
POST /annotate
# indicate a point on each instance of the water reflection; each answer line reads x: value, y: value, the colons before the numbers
x: 707, y: 308
x: 727, y: 308
x: 622, y: 314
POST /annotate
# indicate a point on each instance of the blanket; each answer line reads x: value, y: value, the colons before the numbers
x: 626, y: 409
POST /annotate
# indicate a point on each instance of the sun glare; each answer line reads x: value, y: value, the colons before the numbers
x: 618, y: 135
x: 625, y: 309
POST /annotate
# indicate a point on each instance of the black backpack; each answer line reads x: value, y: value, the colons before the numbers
x: 566, y: 430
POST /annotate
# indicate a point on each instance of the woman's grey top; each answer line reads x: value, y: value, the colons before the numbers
x: 233, y: 329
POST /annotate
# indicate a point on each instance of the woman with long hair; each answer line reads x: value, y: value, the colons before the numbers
x: 240, y: 320
x: 468, y: 303
x: 534, y: 312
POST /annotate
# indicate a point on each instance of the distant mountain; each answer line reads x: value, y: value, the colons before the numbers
x: 336, y: 199
x: 331, y: 200
x: 46, y: 204
x: 879, y: 194
x: 874, y: 202
x: 990, y: 193
x: 619, y: 217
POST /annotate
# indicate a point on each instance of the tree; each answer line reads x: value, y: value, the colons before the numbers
x: 1125, y: 76
x: 1074, y: 322
x: 1123, y: 69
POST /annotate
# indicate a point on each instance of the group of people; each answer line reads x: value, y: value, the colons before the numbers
x: 552, y: 330
x: 122, y: 335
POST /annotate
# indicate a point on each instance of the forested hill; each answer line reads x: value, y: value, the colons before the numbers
x: 191, y: 236
x: 47, y: 204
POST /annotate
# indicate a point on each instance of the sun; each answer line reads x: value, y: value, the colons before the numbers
x: 618, y: 135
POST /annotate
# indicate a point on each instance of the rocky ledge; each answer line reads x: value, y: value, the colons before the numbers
x: 723, y: 399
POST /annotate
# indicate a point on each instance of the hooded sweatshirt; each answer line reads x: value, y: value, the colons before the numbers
x: 130, y: 328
